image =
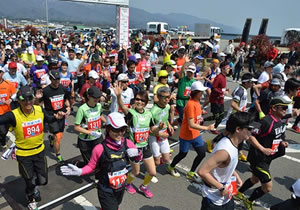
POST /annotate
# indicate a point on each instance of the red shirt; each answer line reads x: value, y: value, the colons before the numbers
x: 217, y: 90
x: 86, y: 86
x: 140, y: 70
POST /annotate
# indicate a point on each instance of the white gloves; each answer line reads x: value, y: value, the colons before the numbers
x: 96, y: 134
x: 132, y: 152
x: 9, y: 152
x: 70, y: 170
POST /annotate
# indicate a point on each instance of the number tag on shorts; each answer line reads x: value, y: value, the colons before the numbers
x: 57, y: 102
x: 94, y: 123
x: 160, y: 138
x: 117, y: 179
x: 187, y: 91
x: 32, y: 128
x: 141, y: 134
x: 275, y: 145
x: 232, y: 189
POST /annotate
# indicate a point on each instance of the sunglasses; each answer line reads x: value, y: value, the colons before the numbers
x: 139, y: 99
x: 118, y: 130
x: 165, y: 97
x: 282, y: 107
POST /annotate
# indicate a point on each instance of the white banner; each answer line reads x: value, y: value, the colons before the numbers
x: 111, y: 2
x: 123, y: 25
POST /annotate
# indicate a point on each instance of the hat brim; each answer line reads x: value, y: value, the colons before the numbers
x: 201, y: 89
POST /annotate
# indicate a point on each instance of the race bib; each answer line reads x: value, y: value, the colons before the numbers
x: 187, y: 91
x: 39, y: 73
x: 57, y: 102
x: 3, y: 98
x: 199, y: 119
x: 232, y: 189
x: 141, y: 134
x: 120, y: 110
x: 65, y: 82
x: 112, y: 69
x: 15, y: 84
x: 32, y: 128
x: 275, y: 145
x: 160, y: 138
x: 94, y: 123
x: 117, y: 179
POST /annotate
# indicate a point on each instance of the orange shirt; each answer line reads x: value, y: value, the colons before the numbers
x: 179, y: 63
x: 88, y: 67
x: 7, y: 89
x: 191, y: 110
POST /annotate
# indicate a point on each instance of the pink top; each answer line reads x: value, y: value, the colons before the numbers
x: 97, y: 152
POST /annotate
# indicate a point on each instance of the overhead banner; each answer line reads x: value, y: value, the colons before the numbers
x: 111, y: 2
x: 123, y: 25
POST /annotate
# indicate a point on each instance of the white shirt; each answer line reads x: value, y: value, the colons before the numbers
x: 229, y: 49
x: 262, y: 78
x: 278, y: 68
x: 216, y: 48
x: 240, y: 95
x: 126, y: 96
x: 20, y: 68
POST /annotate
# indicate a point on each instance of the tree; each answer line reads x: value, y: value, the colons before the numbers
x: 263, y: 46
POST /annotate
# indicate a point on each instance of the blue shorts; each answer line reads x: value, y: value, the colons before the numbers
x: 184, y: 145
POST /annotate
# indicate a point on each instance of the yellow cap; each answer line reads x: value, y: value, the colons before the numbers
x: 215, y: 61
x: 162, y: 73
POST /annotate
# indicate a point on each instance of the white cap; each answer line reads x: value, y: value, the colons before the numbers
x: 8, y: 47
x: 39, y: 58
x: 69, y: 45
x: 296, y: 188
x: 182, y: 47
x: 116, y: 120
x: 221, y: 54
x: 93, y: 74
x: 79, y: 51
x: 155, y: 49
x: 138, y: 56
x: 30, y: 50
x: 103, y: 43
x: 144, y: 48
x: 191, y: 68
x: 122, y: 77
x: 197, y: 85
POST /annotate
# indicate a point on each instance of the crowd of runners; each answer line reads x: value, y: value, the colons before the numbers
x: 108, y: 88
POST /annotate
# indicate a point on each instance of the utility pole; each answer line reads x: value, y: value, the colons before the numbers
x: 47, y: 20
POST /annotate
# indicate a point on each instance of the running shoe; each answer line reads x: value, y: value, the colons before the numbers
x: 130, y: 188
x: 51, y: 140
x: 243, y: 158
x: 193, y: 177
x: 239, y: 196
x: 37, y: 195
x: 154, y: 179
x: 248, y: 204
x: 145, y: 190
x: 32, y: 206
x: 172, y: 171
x: 209, y: 146
x: 296, y: 128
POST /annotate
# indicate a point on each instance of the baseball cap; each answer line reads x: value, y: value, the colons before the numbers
x: 221, y: 54
x: 1, y: 69
x: 144, y: 48
x: 12, y: 65
x: 138, y: 56
x: 132, y: 58
x: 296, y: 188
x: 248, y: 77
x: 269, y: 64
x: 122, y: 77
x: 197, y: 85
x: 174, y: 46
x: 25, y: 92
x: 39, y: 58
x: 30, y: 50
x: 162, y: 73
x: 103, y: 44
x: 280, y: 101
x: 116, y: 120
x: 8, y: 47
x: 93, y: 74
x: 215, y: 61
x: 54, y: 74
x: 155, y: 49
x: 171, y: 63
x: 95, y: 57
x: 275, y: 81
x: 198, y: 57
x: 94, y: 92
x: 191, y: 68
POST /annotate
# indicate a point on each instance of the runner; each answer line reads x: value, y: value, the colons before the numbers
x: 266, y: 145
x: 56, y: 99
x: 92, y: 81
x: 109, y: 159
x: 218, y: 172
x: 140, y: 124
x: 88, y: 122
x: 27, y: 122
x: 190, y: 133
x: 37, y: 71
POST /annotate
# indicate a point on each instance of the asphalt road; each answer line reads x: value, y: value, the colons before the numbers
x: 169, y: 192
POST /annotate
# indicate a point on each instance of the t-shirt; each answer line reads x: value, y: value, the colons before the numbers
x: 72, y: 66
x: 37, y: 72
x: 184, y: 90
x: 179, y: 63
x: 160, y: 114
x: 20, y: 68
x: 17, y: 80
x: 127, y: 95
x: 192, y: 110
x: 7, y: 89
x: 278, y: 68
x: 240, y: 96
x: 66, y: 80
x: 217, y: 91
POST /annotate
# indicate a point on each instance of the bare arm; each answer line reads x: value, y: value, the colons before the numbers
x: 193, y: 125
x: 235, y: 106
x: 253, y: 141
x: 257, y: 89
x: 257, y: 106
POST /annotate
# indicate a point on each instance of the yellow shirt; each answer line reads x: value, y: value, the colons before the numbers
x: 29, y: 131
x: 28, y: 58
x: 167, y: 58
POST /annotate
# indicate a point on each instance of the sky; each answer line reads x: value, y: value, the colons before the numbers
x: 281, y: 13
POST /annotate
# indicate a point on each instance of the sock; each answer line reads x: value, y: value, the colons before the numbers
x: 147, y: 179
x: 192, y: 173
x: 130, y: 178
x: 170, y: 167
x: 258, y: 192
x: 247, y: 184
x: 57, y: 154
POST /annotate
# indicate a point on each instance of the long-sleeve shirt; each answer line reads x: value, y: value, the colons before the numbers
x: 218, y: 88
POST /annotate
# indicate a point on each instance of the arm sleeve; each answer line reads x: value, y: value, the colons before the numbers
x: 96, y: 154
x: 8, y: 118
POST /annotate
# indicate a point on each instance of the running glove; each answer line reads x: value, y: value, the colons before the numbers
x: 261, y: 115
x: 132, y: 152
x: 96, y: 134
x: 70, y: 170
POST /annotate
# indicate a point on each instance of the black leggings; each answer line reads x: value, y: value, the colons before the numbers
x: 181, y: 155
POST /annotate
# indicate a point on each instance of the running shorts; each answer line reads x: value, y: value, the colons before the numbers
x: 159, y: 147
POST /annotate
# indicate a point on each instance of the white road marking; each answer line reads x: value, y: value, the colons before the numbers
x: 292, y: 158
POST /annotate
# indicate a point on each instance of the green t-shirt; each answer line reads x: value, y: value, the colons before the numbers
x: 184, y: 90
x: 160, y: 114
x: 89, y: 118
x: 139, y: 127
